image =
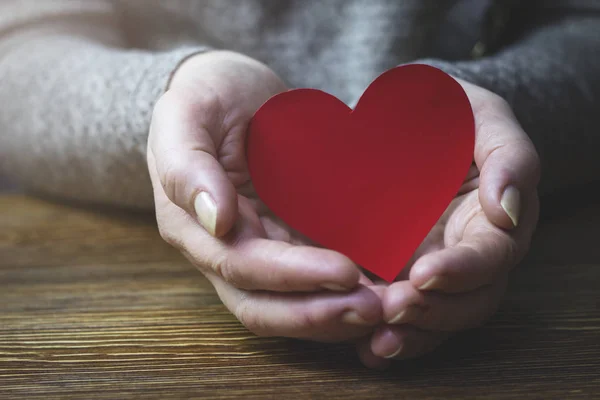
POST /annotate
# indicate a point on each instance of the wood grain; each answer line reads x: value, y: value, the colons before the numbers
x: 94, y: 305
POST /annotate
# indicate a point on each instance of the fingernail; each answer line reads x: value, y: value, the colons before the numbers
x: 511, y: 203
x: 434, y: 283
x: 206, y: 209
x: 334, y: 287
x: 410, y: 314
x: 395, y: 354
x: 352, y: 318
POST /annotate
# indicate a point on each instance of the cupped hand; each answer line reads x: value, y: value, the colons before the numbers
x: 458, y: 276
x: 271, y: 278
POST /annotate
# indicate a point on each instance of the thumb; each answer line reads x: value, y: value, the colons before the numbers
x: 508, y: 161
x: 182, y: 158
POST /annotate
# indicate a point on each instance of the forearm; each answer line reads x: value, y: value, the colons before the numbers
x: 550, y: 78
x: 77, y: 103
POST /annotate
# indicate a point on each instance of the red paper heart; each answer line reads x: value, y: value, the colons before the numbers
x: 369, y: 183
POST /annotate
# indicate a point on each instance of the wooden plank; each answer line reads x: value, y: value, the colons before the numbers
x: 94, y: 305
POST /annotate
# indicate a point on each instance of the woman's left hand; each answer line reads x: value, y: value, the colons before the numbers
x: 459, y: 274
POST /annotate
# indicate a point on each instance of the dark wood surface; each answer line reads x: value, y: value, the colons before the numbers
x: 94, y: 305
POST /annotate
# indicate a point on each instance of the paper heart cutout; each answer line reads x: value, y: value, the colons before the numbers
x: 368, y: 183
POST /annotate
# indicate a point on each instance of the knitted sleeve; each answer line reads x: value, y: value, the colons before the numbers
x: 76, y: 98
x: 550, y: 75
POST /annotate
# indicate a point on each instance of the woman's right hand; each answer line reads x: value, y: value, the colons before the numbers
x: 270, y: 277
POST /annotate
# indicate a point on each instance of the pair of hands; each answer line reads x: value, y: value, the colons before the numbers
x: 276, y: 282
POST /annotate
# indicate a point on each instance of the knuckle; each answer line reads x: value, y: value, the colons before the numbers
x: 167, y: 104
x: 174, y: 177
x: 498, y: 103
x: 495, y: 104
x: 161, y: 105
x: 199, y: 105
x: 167, y: 234
x: 305, y: 321
x: 224, y: 266
x: 526, y: 157
x: 491, y: 105
x: 492, y: 115
x: 535, y: 163
x: 252, y: 320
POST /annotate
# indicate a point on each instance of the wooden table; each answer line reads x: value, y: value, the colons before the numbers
x: 94, y: 305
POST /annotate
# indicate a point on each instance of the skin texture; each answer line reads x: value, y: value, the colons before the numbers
x: 276, y: 282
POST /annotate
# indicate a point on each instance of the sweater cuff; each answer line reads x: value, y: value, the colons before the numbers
x: 159, y: 70
x: 88, y: 139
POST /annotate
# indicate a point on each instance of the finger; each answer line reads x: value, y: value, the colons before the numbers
x: 367, y: 357
x: 463, y: 268
x: 433, y: 242
x: 263, y: 264
x: 404, y: 342
x: 365, y: 281
x: 403, y: 304
x: 183, y: 145
x: 324, y: 316
x: 484, y: 254
x: 506, y: 157
x: 471, y: 181
x: 246, y: 260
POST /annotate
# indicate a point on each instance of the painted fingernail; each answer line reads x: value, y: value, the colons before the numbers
x: 334, y: 287
x: 206, y: 210
x: 410, y: 314
x: 511, y: 203
x: 395, y: 354
x: 352, y: 318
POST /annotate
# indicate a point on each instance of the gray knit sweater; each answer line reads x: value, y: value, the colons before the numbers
x: 79, y: 78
